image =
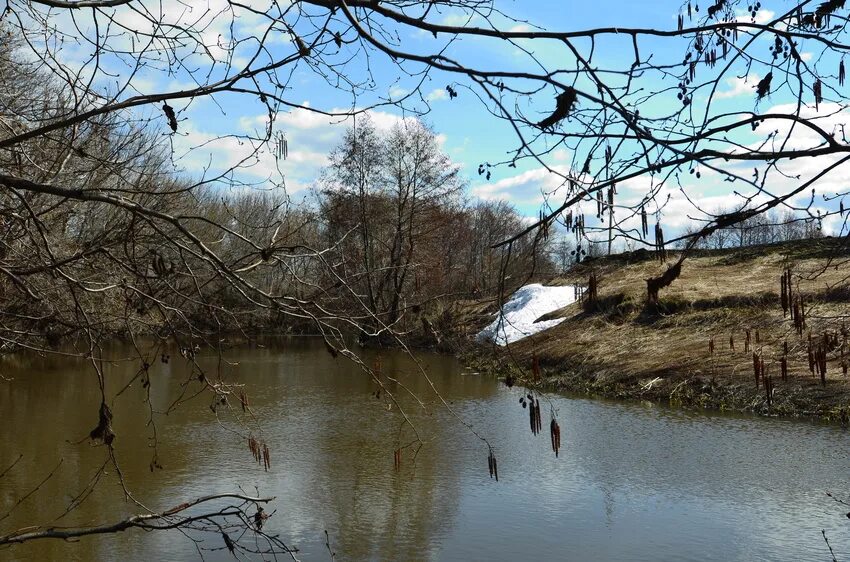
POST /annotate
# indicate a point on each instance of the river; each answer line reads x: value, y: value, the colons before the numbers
x: 633, y: 482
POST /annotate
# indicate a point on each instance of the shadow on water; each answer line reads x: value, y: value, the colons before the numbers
x: 634, y: 481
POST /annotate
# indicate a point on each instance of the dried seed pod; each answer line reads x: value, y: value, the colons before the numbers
x: 303, y: 49
x: 170, y: 116
x: 763, y: 87
x: 563, y: 105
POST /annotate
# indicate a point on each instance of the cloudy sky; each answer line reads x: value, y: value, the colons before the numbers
x: 205, y: 142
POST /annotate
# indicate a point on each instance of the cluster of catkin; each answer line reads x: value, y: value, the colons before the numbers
x: 260, y: 452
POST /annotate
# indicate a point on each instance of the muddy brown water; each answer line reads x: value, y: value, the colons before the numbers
x: 634, y: 481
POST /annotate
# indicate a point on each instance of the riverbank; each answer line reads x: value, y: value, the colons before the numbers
x: 691, y: 349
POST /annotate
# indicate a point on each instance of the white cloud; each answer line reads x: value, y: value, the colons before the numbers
x: 459, y: 19
x: 525, y: 187
x: 437, y: 95
x: 764, y: 16
x: 310, y: 138
x: 397, y: 92
x: 739, y: 87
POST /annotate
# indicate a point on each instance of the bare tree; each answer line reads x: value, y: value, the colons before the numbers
x: 100, y: 238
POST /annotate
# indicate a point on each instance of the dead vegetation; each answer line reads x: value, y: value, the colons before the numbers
x: 668, y: 350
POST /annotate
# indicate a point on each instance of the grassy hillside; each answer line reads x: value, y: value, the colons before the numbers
x: 623, y: 347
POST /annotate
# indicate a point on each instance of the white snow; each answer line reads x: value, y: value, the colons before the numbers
x: 526, y: 305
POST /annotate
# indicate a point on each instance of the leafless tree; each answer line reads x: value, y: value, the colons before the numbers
x: 100, y: 237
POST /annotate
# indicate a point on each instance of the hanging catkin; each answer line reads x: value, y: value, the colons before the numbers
x: 817, y: 90
x: 555, y: 435
x: 492, y: 465
x: 537, y: 417
x: 659, y: 243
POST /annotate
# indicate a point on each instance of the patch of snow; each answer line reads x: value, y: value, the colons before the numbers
x: 526, y: 305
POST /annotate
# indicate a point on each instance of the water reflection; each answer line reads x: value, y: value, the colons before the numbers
x: 634, y: 482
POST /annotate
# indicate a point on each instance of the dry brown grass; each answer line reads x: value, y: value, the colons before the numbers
x: 623, y: 342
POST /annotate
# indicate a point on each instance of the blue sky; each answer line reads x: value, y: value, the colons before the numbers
x: 469, y: 134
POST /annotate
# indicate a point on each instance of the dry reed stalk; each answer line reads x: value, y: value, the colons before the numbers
x: 757, y: 364
x: 591, y: 299
x: 784, y: 300
x: 820, y: 362
x: 768, y: 389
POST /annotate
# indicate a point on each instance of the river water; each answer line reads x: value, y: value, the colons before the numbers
x: 633, y: 481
